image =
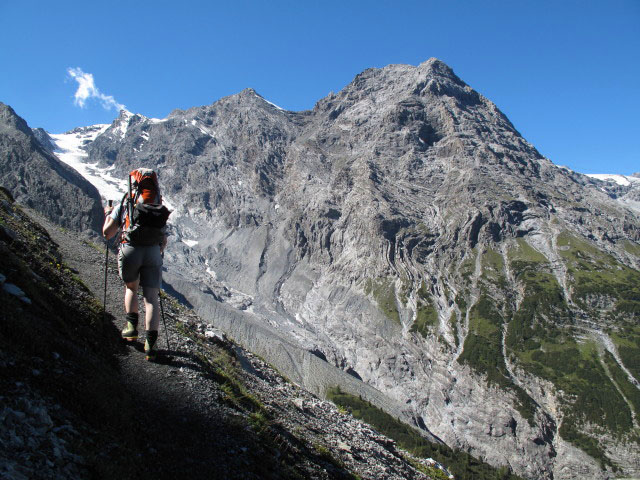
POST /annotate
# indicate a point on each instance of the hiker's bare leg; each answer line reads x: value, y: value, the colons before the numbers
x: 131, y: 297
x: 151, y: 307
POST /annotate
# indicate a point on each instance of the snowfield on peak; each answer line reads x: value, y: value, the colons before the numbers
x: 623, y: 180
x: 70, y: 150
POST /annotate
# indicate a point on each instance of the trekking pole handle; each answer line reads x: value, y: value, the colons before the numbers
x: 108, y: 209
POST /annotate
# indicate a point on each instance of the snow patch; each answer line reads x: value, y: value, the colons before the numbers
x: 190, y: 243
x: 213, y: 274
x: 168, y: 203
x: 123, y: 123
x: 70, y: 149
x: 270, y: 103
x: 623, y: 180
x: 201, y: 128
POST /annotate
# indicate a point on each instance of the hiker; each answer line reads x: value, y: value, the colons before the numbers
x: 142, y: 242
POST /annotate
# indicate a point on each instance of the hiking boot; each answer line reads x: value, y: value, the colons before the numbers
x: 150, y: 349
x: 130, y: 331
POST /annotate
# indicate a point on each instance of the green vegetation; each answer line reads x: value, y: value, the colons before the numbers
x: 426, y: 319
x: 383, y: 292
x: 543, y: 300
x: 461, y: 464
x: 325, y: 454
x: 259, y: 421
x: 483, y: 352
x: 461, y: 301
x: 526, y: 253
x: 453, y: 321
x: 467, y: 267
x: 540, y: 337
x: 628, y: 342
x: 434, y: 473
x: 632, y: 248
x: 223, y: 369
x: 597, y: 275
x: 597, y: 401
x: 483, y: 345
x: 572, y: 434
x: 427, y: 315
x: 629, y: 390
x: 493, y: 269
x: 403, y: 291
x: 482, y: 348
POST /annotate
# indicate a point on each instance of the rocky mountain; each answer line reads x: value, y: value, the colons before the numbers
x: 44, y: 139
x: 37, y: 178
x: 404, y: 232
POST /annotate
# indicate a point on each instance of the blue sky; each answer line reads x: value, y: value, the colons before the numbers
x: 566, y: 73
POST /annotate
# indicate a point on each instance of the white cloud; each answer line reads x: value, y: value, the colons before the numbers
x: 87, y: 89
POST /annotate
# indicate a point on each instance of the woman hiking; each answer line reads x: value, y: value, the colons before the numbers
x: 141, y: 217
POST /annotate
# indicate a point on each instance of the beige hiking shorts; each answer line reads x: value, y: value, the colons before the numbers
x: 143, y: 263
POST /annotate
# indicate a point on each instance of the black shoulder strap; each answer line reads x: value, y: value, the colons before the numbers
x: 122, y: 207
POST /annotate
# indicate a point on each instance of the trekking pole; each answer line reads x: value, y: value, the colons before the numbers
x: 166, y: 334
x: 106, y: 263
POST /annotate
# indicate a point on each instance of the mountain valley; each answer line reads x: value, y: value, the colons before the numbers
x: 402, y: 242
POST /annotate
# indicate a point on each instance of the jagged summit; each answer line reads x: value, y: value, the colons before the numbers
x: 44, y: 139
x: 9, y: 119
x: 87, y: 130
x: 438, y: 66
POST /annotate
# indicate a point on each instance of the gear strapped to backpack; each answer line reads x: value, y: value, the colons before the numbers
x: 144, y: 220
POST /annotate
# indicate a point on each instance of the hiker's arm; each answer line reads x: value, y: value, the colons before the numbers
x: 109, y: 228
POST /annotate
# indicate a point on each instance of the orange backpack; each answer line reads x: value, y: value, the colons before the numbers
x: 145, y: 216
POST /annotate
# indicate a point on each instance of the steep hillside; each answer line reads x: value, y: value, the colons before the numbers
x: 36, y: 177
x: 405, y: 232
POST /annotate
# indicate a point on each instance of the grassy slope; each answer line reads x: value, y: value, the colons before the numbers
x: 542, y: 340
x: 462, y: 465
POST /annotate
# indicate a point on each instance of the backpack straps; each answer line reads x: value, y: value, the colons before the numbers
x: 130, y: 201
x: 123, y: 216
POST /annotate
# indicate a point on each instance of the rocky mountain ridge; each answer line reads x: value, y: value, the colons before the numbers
x: 37, y: 178
x: 405, y: 232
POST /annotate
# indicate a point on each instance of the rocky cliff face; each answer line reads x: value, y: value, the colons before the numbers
x: 37, y: 178
x: 405, y: 232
